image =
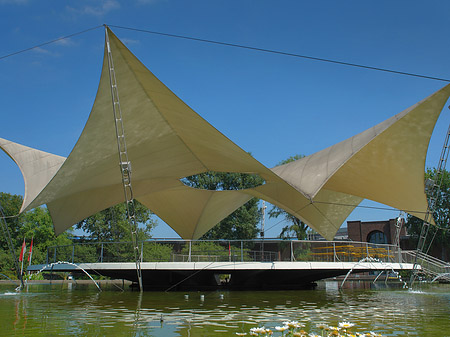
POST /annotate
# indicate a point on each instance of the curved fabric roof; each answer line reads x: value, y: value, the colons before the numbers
x: 37, y: 167
x: 168, y: 141
x: 385, y: 163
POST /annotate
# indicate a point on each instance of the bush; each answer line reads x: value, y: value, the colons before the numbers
x: 154, y: 252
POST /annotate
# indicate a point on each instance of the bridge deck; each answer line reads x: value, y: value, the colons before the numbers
x: 233, y: 275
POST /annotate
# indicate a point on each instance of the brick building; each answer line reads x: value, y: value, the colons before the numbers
x: 375, y: 231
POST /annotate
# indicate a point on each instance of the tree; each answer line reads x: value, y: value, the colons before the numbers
x: 35, y: 224
x: 296, y: 227
x: 111, y: 224
x: 441, y: 216
x: 242, y: 223
x: 291, y: 159
x: 10, y: 205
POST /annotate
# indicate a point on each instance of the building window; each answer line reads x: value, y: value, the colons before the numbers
x: 377, y: 237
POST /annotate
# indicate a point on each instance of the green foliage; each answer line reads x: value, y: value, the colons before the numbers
x: 154, y: 252
x: 242, y: 223
x: 116, y: 252
x: 35, y: 277
x: 108, y: 225
x: 303, y: 254
x: 7, y: 264
x: 296, y: 228
x: 112, y: 224
x: 38, y: 224
x: 441, y: 214
x: 213, y: 251
x: 223, y: 181
x: 291, y: 159
x: 205, y: 248
x: 39, y: 254
x: 10, y: 205
x: 35, y: 224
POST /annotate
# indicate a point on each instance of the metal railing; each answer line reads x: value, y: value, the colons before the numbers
x: 267, y: 250
x: 429, y: 265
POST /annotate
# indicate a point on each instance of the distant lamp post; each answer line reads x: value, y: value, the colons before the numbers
x: 263, y: 219
x: 263, y: 222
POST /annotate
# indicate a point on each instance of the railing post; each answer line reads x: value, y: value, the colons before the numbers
x: 367, y: 249
x: 46, y: 260
x: 54, y: 256
x: 388, y: 254
x: 292, y: 251
x: 142, y: 251
x: 190, y: 250
x: 73, y: 253
x: 101, y: 254
x: 334, y: 251
x: 242, y: 251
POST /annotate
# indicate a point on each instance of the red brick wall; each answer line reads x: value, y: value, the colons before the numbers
x: 359, y: 231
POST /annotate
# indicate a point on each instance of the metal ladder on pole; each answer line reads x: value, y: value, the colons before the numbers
x: 124, y: 163
x: 433, y: 196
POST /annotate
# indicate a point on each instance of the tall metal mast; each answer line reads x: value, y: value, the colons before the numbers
x: 124, y: 162
x: 433, y: 196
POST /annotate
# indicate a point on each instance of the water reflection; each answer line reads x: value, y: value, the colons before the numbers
x: 56, y: 309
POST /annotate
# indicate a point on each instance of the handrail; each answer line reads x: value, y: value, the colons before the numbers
x: 276, y: 249
x: 179, y: 240
x: 428, y: 258
x: 429, y: 264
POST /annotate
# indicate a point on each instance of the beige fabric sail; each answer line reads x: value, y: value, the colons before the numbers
x: 37, y: 167
x: 385, y: 163
x: 168, y: 141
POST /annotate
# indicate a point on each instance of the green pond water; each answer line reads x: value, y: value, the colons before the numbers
x: 81, y: 310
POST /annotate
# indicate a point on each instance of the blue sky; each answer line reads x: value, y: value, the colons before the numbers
x: 273, y: 106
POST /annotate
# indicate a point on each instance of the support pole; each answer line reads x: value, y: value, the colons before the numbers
x: 124, y: 163
x: 190, y: 251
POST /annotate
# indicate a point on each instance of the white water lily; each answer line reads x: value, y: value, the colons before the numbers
x: 294, y: 328
x: 322, y: 326
x: 295, y: 324
x: 346, y: 325
x: 258, y: 331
